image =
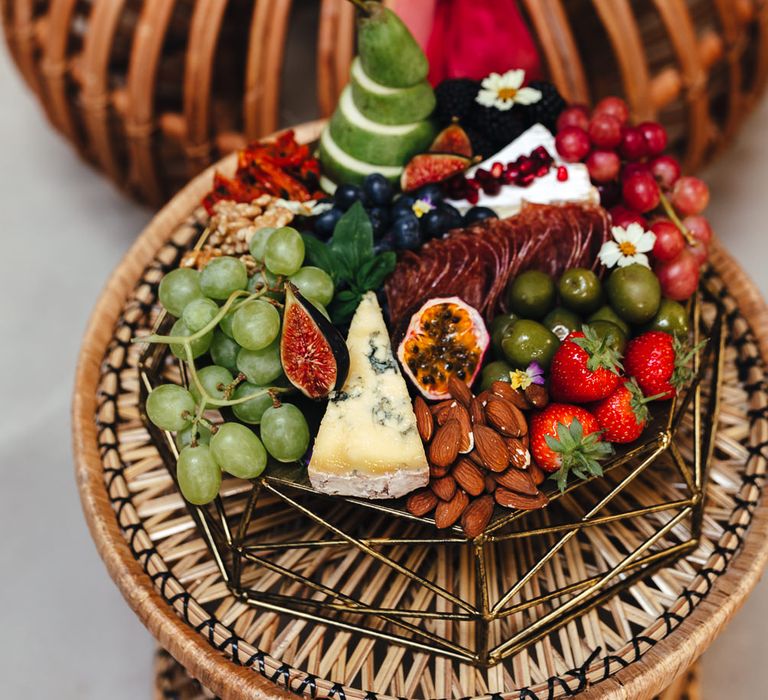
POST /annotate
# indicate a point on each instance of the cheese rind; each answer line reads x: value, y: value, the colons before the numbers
x: 368, y: 444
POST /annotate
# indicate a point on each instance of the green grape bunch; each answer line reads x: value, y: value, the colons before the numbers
x: 227, y: 335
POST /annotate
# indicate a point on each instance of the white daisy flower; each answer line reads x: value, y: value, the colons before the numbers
x: 628, y: 247
x: 309, y: 208
x: 504, y: 91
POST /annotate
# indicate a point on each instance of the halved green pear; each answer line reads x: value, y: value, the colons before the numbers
x: 389, y: 105
x: 371, y: 142
x: 342, y: 167
x: 388, y: 52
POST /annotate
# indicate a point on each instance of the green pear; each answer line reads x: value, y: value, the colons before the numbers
x: 339, y: 166
x: 388, y: 52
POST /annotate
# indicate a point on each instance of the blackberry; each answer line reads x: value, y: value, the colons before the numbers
x: 455, y: 98
x: 548, y: 108
x: 481, y: 145
x: 499, y: 126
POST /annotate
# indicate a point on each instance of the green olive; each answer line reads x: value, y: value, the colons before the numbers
x: 580, y: 290
x: 616, y: 337
x: 493, y: 372
x: 606, y: 313
x: 531, y: 294
x: 634, y: 293
x: 562, y: 322
x: 528, y: 341
x: 498, y: 327
x: 671, y: 318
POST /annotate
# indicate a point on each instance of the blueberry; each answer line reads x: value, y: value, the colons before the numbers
x: 432, y: 193
x: 403, y: 205
x: 326, y: 222
x: 378, y: 190
x: 405, y: 232
x: 385, y: 244
x: 452, y: 216
x: 434, y: 223
x: 346, y: 195
x: 475, y: 214
x: 380, y: 220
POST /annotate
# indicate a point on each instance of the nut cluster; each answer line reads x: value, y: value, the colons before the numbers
x: 477, y: 448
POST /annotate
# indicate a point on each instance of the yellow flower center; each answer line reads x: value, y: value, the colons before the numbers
x: 520, y: 379
x: 507, y: 93
x: 627, y: 248
x: 421, y: 207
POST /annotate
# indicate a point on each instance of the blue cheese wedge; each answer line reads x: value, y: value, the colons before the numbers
x: 368, y: 444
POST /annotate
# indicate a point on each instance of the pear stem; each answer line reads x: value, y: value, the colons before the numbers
x: 360, y: 5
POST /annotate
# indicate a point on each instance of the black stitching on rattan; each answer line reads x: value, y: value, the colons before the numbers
x: 310, y: 681
x: 284, y: 672
x: 337, y: 689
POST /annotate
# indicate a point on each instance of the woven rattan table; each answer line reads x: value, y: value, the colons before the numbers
x: 634, y: 645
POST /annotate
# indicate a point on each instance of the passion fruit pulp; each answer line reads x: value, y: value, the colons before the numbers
x: 446, y: 338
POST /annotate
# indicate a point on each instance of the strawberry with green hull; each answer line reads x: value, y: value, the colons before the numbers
x: 624, y: 414
x: 567, y: 439
x: 585, y: 368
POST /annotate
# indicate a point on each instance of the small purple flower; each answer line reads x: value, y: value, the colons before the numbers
x: 522, y: 379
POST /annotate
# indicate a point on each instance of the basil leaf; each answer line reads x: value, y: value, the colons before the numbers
x: 343, y: 306
x: 321, y: 256
x: 352, y: 240
x: 373, y: 273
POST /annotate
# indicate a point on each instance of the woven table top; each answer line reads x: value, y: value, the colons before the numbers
x: 632, y: 646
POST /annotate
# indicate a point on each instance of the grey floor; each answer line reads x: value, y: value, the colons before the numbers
x: 66, y: 632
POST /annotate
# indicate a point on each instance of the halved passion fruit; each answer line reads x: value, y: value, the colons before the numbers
x: 446, y: 338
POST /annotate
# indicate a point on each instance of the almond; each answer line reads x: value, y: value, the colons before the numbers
x: 490, y: 482
x: 512, y: 499
x: 459, y: 413
x: 421, y: 502
x: 445, y: 413
x: 425, y: 424
x: 515, y: 397
x: 517, y: 480
x: 439, y: 406
x: 506, y: 417
x: 437, y: 472
x: 476, y: 412
x: 483, y: 397
x: 460, y: 391
x: 525, y: 441
x: 448, y: 512
x: 491, y: 448
x: 444, y: 488
x: 469, y: 476
x: 445, y: 445
x: 477, y: 516
x: 536, y: 473
x: 537, y: 395
x: 476, y: 458
x: 518, y: 453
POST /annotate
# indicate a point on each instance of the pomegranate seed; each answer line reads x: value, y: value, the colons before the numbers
x: 562, y: 173
x: 474, y: 185
x: 492, y: 187
x: 496, y: 170
x: 542, y: 170
x: 526, y: 167
x: 541, y: 153
x: 510, y: 176
x: 473, y: 196
x: 526, y: 179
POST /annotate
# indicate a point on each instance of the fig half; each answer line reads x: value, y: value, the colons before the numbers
x: 313, y: 352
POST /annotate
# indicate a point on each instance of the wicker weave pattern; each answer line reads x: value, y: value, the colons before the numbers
x: 152, y: 91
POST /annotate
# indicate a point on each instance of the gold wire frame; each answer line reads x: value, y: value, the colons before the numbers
x: 226, y: 526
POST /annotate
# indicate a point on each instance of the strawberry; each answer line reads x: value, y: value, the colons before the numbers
x: 585, y: 368
x: 566, y: 438
x: 624, y: 414
x: 659, y: 363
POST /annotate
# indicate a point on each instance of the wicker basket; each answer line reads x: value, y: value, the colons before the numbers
x: 152, y: 92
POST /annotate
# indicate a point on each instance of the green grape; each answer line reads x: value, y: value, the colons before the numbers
x: 170, y: 407
x: 251, y: 411
x: 184, y: 437
x: 258, y: 242
x: 238, y: 451
x: 199, y: 346
x: 315, y: 284
x: 222, y: 276
x: 285, y: 432
x: 265, y: 278
x: 256, y: 324
x: 198, y: 474
x: 284, y: 251
x: 261, y: 366
x: 214, y: 379
x: 226, y: 324
x: 199, y: 313
x: 224, y: 351
x: 178, y: 288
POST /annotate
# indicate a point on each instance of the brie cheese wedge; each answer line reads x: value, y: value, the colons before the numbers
x: 368, y: 444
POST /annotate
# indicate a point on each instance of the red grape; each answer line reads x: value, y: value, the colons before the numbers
x: 669, y: 241
x: 690, y: 195
x: 575, y: 115
x: 640, y: 192
x: 666, y: 170
x: 610, y: 193
x: 605, y: 131
x: 700, y: 252
x: 622, y: 216
x: 655, y: 137
x: 679, y: 277
x: 603, y: 165
x: 633, y: 145
x: 572, y: 144
x: 632, y: 168
x: 699, y: 228
x: 614, y: 106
